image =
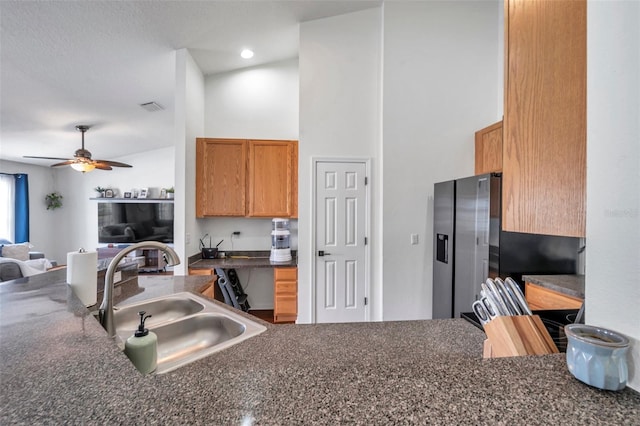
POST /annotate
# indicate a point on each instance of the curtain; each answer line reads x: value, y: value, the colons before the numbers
x: 21, y: 208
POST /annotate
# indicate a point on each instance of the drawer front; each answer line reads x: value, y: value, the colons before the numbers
x: 542, y: 298
x: 285, y: 308
x: 286, y: 287
x: 200, y: 271
x: 285, y: 274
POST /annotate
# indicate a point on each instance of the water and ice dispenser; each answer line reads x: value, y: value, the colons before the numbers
x: 280, y: 237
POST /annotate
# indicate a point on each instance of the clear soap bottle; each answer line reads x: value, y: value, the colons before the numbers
x: 142, y: 347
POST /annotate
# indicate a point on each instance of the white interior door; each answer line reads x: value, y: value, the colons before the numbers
x: 340, y: 241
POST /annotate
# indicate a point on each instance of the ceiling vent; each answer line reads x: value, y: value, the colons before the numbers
x: 152, y: 107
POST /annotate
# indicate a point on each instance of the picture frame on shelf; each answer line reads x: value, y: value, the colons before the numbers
x: 108, y: 193
x: 163, y: 193
x: 127, y: 194
x: 143, y: 193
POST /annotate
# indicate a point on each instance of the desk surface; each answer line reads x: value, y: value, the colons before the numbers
x: 241, y: 259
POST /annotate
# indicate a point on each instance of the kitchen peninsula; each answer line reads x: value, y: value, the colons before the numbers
x: 57, y: 365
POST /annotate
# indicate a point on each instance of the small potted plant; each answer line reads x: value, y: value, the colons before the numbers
x: 170, y: 192
x: 100, y: 190
x: 53, y: 200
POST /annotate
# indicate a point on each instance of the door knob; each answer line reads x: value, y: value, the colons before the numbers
x: 323, y: 253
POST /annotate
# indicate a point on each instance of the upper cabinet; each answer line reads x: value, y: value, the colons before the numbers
x: 273, y: 178
x: 252, y: 178
x: 221, y: 170
x: 544, y: 138
x: 489, y: 149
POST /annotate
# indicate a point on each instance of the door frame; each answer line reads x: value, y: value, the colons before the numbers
x: 367, y: 229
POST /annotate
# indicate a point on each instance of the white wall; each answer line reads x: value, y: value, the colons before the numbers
x: 42, y: 222
x: 189, y: 124
x: 340, y: 87
x: 259, y: 102
x: 78, y: 227
x: 613, y: 162
x: 441, y: 68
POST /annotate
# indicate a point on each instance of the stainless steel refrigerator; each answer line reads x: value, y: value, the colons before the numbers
x: 470, y: 246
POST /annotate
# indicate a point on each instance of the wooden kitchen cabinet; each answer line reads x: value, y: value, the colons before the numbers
x: 540, y: 298
x: 285, y: 295
x: 246, y: 178
x: 273, y: 179
x: 544, y: 144
x: 489, y: 149
x: 221, y: 167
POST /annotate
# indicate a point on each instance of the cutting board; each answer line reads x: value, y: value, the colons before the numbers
x: 516, y: 336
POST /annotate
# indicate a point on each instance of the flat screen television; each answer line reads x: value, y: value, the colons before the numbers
x: 131, y: 222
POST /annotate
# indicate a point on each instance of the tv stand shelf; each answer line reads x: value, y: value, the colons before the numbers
x: 133, y: 200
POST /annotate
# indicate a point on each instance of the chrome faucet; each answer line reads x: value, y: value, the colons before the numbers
x: 105, y: 313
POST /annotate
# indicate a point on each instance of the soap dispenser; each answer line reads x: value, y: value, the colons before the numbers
x: 142, y: 347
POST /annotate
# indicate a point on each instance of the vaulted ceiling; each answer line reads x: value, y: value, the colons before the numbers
x: 65, y: 63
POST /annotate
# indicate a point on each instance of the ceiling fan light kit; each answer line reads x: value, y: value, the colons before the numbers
x: 82, y: 160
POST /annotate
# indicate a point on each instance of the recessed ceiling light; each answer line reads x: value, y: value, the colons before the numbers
x: 247, y: 53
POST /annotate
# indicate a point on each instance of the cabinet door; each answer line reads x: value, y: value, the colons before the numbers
x: 273, y: 177
x: 544, y: 147
x: 285, y: 303
x: 220, y: 177
x: 489, y: 149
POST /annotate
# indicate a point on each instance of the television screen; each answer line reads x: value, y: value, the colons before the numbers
x: 134, y: 222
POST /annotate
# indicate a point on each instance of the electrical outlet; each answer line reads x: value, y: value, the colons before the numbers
x: 414, y: 239
x: 187, y: 238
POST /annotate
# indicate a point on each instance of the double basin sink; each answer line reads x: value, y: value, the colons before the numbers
x: 189, y: 327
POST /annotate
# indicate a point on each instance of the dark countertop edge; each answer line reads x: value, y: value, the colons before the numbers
x: 256, y: 259
x: 571, y: 285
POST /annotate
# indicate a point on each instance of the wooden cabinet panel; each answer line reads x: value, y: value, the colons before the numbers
x: 489, y: 149
x: 285, y: 303
x: 543, y: 298
x: 273, y: 176
x: 544, y: 146
x: 220, y: 177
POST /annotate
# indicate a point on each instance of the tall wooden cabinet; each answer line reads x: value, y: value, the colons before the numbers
x: 246, y: 178
x: 544, y: 146
x: 489, y: 149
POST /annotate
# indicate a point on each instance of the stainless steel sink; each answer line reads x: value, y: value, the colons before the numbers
x: 189, y: 327
x: 163, y: 310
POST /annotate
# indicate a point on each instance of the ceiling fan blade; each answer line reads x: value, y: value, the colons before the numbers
x: 44, y: 158
x: 101, y: 165
x: 64, y: 163
x: 113, y: 163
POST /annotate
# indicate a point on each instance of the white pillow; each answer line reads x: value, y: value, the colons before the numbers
x: 16, y: 251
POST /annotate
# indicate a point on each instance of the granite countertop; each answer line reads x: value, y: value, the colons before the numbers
x: 58, y: 366
x: 241, y: 259
x: 571, y: 285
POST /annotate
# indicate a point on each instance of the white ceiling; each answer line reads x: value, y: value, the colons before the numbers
x: 64, y: 63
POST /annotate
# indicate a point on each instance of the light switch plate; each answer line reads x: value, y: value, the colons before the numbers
x: 414, y: 239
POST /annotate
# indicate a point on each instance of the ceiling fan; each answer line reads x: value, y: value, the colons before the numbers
x: 82, y: 160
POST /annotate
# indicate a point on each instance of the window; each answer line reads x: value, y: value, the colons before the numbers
x: 7, y: 207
